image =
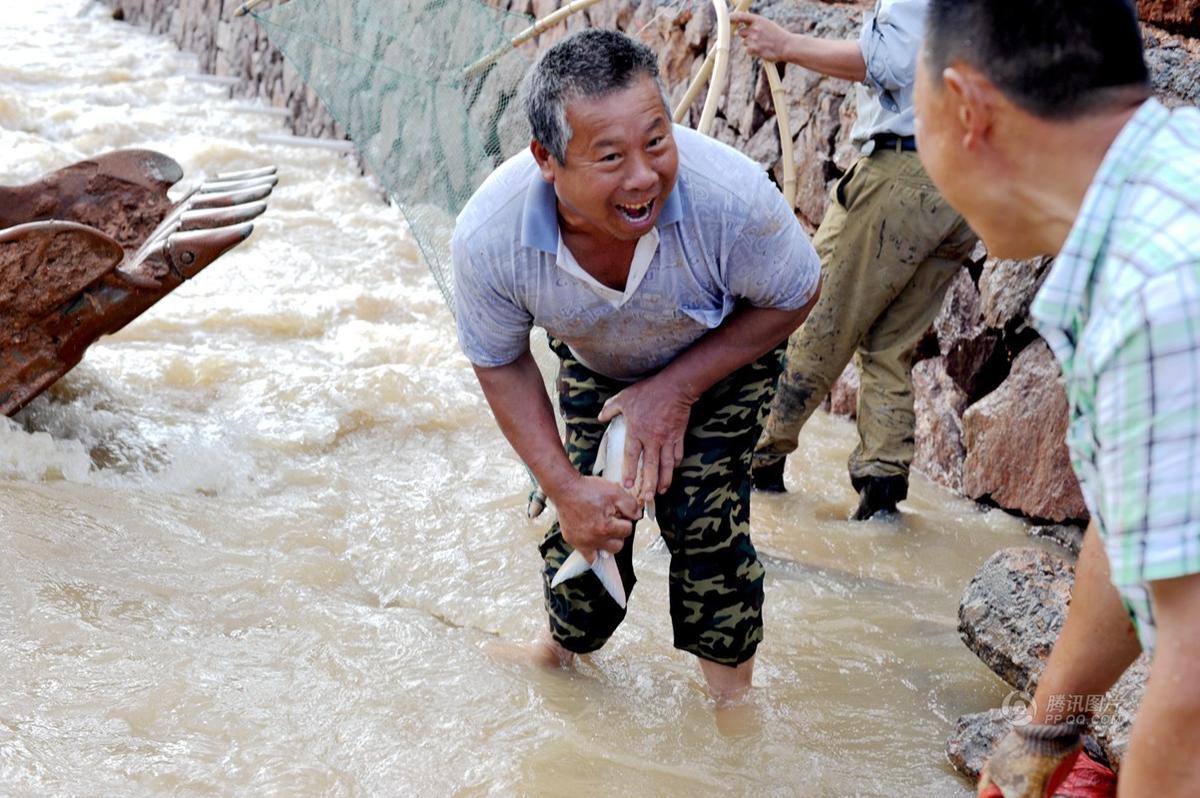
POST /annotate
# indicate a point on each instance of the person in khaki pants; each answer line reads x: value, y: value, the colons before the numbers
x: 889, y: 246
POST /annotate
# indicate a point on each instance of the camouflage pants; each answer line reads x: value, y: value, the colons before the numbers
x: 716, y: 580
x: 889, y: 246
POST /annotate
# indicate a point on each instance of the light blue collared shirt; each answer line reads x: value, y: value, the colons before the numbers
x: 890, y: 42
x: 726, y: 236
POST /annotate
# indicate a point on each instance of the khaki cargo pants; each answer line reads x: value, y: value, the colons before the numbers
x: 889, y: 246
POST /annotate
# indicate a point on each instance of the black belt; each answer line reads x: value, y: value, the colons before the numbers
x: 890, y: 141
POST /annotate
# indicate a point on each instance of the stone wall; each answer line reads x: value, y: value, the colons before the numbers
x: 233, y: 47
x: 990, y: 410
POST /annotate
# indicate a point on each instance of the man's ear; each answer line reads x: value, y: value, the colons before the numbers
x: 972, y: 98
x: 544, y: 160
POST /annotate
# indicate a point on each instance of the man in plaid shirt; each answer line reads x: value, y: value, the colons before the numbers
x: 1035, y: 120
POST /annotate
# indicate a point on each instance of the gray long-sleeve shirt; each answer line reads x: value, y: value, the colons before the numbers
x: 890, y: 42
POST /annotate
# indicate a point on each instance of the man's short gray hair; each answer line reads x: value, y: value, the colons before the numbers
x: 590, y: 63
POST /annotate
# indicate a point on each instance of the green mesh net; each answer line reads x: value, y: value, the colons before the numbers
x: 392, y: 74
x: 396, y: 75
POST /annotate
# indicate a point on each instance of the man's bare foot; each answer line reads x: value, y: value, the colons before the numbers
x: 738, y: 718
x: 544, y: 652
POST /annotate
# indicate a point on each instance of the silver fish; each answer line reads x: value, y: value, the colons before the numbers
x: 610, y: 462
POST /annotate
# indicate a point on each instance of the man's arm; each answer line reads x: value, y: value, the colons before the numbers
x: 1147, y: 432
x: 593, y: 513
x: 838, y: 58
x: 1164, y: 750
x: 657, y: 408
x: 1097, y: 642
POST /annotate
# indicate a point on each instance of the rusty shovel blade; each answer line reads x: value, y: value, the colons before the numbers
x: 215, y: 186
x: 220, y: 217
x: 190, y: 252
x: 246, y: 174
x: 226, y: 198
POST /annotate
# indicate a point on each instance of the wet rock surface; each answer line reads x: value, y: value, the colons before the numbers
x: 939, y: 406
x: 1010, y: 616
x: 1012, y: 611
x: 1016, y: 447
x: 972, y: 739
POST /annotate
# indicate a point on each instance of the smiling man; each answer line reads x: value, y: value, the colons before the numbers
x: 1035, y: 120
x: 667, y: 270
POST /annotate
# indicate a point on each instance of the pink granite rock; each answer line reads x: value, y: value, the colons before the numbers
x: 1016, y: 447
x: 843, y: 396
x: 1178, y: 15
x: 939, y: 431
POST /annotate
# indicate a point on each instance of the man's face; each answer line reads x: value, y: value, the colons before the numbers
x: 621, y: 163
x: 962, y: 140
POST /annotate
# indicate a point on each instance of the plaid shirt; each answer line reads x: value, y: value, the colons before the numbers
x: 1121, y: 310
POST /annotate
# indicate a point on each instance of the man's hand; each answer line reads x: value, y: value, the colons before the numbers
x: 763, y: 38
x: 656, y: 414
x: 593, y: 514
x: 1031, y: 761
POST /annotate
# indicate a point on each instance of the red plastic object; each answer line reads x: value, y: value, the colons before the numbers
x: 1087, y: 779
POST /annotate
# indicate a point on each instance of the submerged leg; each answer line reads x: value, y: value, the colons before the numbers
x: 716, y: 576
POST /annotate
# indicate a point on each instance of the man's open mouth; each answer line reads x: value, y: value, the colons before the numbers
x: 636, y: 213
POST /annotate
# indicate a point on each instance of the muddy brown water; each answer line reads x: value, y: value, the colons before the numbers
x: 259, y: 542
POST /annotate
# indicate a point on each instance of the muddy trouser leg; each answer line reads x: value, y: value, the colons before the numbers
x: 716, y: 578
x: 933, y: 232
x: 582, y: 614
x: 859, y: 279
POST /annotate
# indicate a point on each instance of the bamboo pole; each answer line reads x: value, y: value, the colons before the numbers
x: 693, y: 88
x: 720, y: 69
x: 779, y: 100
x: 701, y: 78
x: 536, y: 29
x: 246, y: 7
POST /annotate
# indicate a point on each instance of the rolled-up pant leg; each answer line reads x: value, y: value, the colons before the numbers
x: 716, y: 576
x: 582, y: 614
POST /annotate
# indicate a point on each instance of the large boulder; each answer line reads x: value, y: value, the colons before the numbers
x: 1016, y: 448
x: 939, y: 409
x: 1012, y: 611
x: 843, y: 396
x: 973, y: 737
x: 1007, y: 289
x: 1010, y: 615
x: 960, y: 317
x: 1114, y: 721
x: 1178, y: 15
x: 974, y: 354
